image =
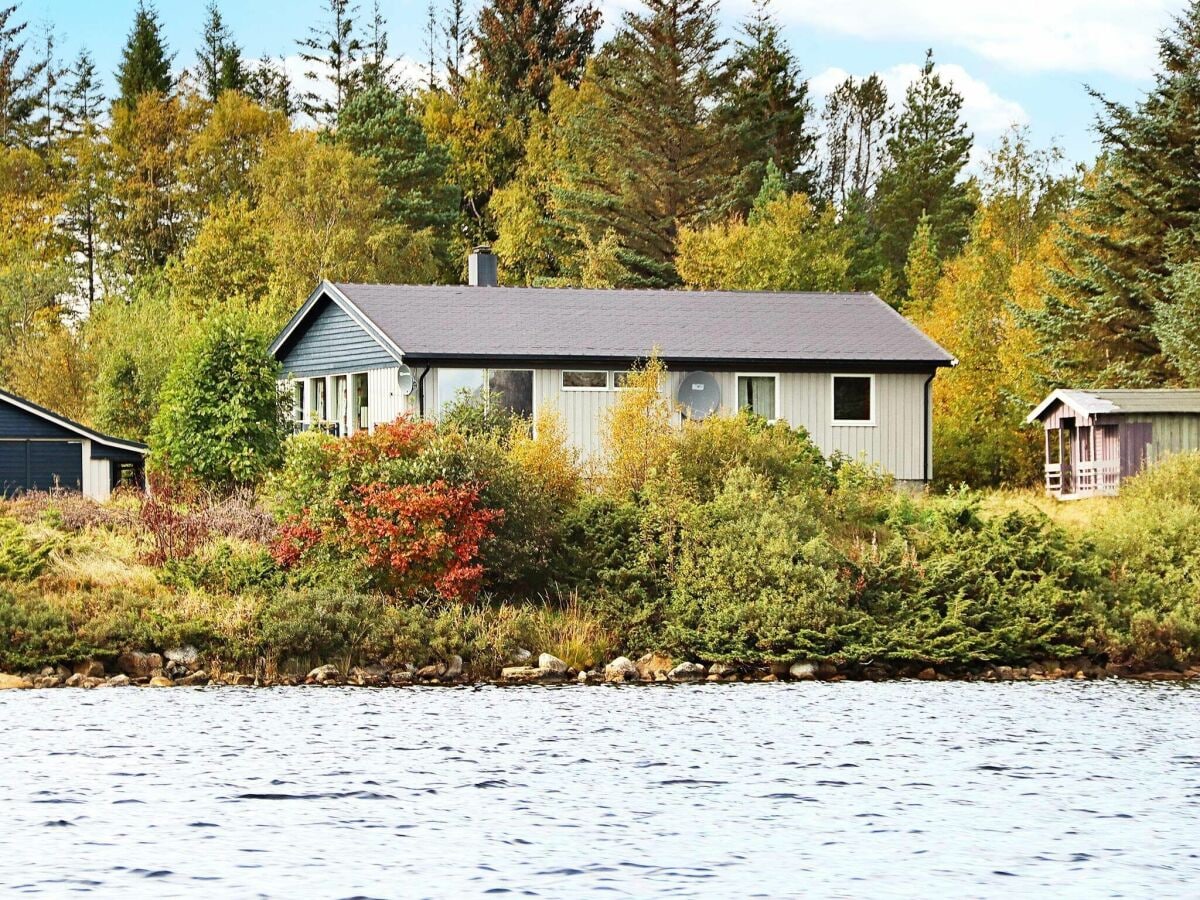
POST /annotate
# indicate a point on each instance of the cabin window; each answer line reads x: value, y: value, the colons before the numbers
x: 620, y: 380
x: 584, y: 381
x: 298, y: 402
x: 853, y: 400
x: 318, y: 412
x: 341, y: 403
x: 361, y: 404
x: 511, y: 389
x: 757, y: 394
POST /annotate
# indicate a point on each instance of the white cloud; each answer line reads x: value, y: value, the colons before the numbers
x: 987, y: 113
x: 1113, y: 36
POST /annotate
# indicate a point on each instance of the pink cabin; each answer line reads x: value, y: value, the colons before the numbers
x: 1096, y: 438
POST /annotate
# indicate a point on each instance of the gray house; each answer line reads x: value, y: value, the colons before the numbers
x: 847, y: 367
x: 41, y: 450
x: 1095, y: 438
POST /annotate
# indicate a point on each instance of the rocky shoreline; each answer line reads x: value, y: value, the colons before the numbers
x: 183, y: 667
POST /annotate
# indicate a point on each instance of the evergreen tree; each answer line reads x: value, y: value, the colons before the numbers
x: 378, y: 69
x: 19, y: 98
x: 663, y: 162
x: 454, y: 33
x: 43, y: 128
x: 145, y: 66
x: 78, y: 110
x: 857, y: 121
x: 767, y: 110
x: 268, y: 85
x: 526, y: 44
x: 333, y: 47
x: 220, y: 59
x: 923, y: 268
x: 926, y: 157
x: 1128, y: 248
x: 380, y: 124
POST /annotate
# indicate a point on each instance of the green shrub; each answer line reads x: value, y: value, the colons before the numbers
x: 223, y: 567
x: 21, y: 557
x: 323, y: 625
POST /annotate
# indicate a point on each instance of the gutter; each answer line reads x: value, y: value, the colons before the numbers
x: 927, y: 424
x: 421, y: 392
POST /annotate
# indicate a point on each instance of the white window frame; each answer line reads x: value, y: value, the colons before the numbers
x: 612, y: 379
x: 853, y: 423
x: 736, y: 393
x: 608, y: 379
x: 486, y: 370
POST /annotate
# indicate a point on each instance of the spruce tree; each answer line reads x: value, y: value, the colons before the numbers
x: 145, y: 66
x: 79, y: 108
x: 767, y: 110
x: 525, y: 44
x: 927, y: 154
x: 1129, y: 250
x: 333, y: 46
x: 79, y: 103
x: 378, y: 68
x: 220, y: 58
x: 268, y: 85
x: 379, y: 123
x: 663, y: 163
x: 43, y: 127
x: 19, y: 98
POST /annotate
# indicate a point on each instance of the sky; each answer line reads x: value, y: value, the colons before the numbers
x: 1023, y: 62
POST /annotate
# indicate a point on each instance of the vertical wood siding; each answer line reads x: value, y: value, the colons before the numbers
x: 1171, y: 433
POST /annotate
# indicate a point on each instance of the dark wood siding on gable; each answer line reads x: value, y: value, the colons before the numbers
x: 332, y: 342
x: 17, y: 423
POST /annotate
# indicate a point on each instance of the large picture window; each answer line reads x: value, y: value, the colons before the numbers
x: 512, y: 389
x: 853, y: 400
x: 757, y: 394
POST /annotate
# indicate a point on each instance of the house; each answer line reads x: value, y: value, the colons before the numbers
x: 1093, y: 439
x: 847, y: 367
x: 41, y: 450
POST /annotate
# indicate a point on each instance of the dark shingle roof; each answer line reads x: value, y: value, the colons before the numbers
x: 452, y: 321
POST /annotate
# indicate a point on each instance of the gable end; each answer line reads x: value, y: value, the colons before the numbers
x: 329, y: 342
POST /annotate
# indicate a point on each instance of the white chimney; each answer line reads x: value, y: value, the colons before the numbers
x: 482, y: 268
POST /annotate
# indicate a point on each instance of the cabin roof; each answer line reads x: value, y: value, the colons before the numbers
x: 70, y: 425
x: 1115, y: 402
x: 429, y: 322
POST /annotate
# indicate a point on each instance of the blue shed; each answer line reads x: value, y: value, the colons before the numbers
x: 41, y: 450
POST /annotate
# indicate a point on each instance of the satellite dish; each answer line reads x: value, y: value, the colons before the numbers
x: 699, y: 395
x: 404, y: 378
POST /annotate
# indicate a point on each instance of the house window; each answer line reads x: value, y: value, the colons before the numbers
x: 318, y: 412
x: 584, y: 381
x: 511, y: 389
x: 298, y: 402
x: 620, y: 380
x: 341, y: 403
x: 361, y: 404
x: 757, y: 393
x: 853, y: 399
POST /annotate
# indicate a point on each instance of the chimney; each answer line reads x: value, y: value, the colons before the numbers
x: 482, y: 268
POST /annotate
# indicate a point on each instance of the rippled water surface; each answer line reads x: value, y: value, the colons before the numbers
x: 901, y: 789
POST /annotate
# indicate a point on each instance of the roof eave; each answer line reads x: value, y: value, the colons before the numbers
x: 329, y: 289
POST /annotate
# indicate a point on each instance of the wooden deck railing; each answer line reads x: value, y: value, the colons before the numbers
x: 1100, y: 477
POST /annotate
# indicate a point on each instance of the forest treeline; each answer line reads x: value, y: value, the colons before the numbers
x: 672, y: 154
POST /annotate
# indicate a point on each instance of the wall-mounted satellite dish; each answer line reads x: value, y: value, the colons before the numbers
x: 699, y: 395
x: 404, y: 378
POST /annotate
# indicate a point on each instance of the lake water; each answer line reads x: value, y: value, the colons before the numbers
x: 855, y: 789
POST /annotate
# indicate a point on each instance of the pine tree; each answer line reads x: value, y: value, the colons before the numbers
x: 1109, y: 320
x: 663, y: 160
x: 379, y: 124
x: 333, y: 47
x: 526, y: 44
x: 79, y: 108
x: 378, y: 68
x: 18, y: 85
x: 857, y: 121
x: 767, y: 110
x: 926, y: 158
x: 454, y: 33
x: 923, y: 268
x: 220, y: 59
x: 145, y: 66
x: 42, y: 127
x: 268, y: 85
